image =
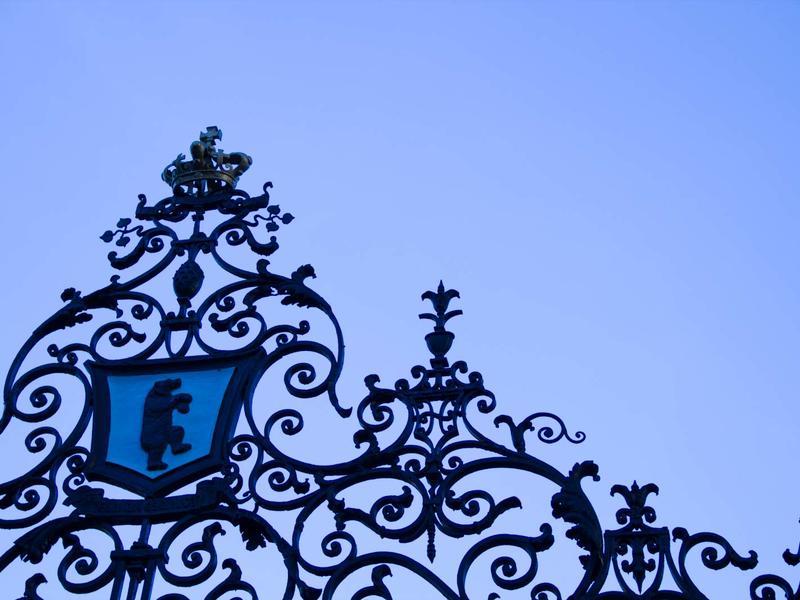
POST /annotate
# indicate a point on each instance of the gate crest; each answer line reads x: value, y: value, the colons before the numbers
x: 147, y: 456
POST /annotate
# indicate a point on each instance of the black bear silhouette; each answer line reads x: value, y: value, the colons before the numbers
x: 158, y: 432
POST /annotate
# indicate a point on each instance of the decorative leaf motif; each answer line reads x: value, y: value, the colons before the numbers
x: 70, y: 294
x: 378, y: 588
x: 570, y: 505
x: 31, y: 587
x: 637, y: 511
x: 303, y: 272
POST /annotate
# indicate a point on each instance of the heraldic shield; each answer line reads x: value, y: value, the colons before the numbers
x: 161, y: 424
x: 428, y: 468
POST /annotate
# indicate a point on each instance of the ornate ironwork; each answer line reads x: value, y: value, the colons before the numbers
x: 419, y: 447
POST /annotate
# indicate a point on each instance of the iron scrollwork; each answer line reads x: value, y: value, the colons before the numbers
x: 419, y: 449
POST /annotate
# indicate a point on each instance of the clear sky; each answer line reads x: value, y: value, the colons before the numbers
x: 612, y: 186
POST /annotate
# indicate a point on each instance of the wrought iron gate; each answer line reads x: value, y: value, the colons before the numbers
x: 130, y: 416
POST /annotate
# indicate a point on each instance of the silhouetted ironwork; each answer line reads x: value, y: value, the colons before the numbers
x: 421, y: 437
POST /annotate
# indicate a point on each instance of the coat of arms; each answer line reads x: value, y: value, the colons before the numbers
x: 159, y: 424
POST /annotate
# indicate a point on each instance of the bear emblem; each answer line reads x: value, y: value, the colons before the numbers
x: 158, y: 432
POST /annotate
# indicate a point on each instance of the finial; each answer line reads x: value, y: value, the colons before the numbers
x: 440, y: 340
x: 209, y: 168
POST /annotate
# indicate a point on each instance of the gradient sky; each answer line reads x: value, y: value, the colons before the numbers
x: 612, y: 186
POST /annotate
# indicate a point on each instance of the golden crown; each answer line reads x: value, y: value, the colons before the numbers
x: 209, y: 168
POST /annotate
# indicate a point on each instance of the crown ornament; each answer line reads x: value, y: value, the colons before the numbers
x: 209, y: 169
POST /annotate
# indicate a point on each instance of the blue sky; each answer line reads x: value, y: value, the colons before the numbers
x: 612, y: 186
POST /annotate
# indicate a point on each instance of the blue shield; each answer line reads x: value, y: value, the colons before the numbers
x: 161, y: 424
